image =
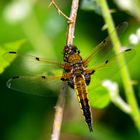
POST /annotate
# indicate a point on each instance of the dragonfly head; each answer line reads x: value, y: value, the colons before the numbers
x: 70, y: 50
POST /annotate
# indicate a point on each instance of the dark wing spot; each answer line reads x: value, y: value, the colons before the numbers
x: 63, y: 79
x: 87, y: 79
x: 12, y: 52
x: 37, y: 58
x: 43, y: 77
x: 106, y: 61
x: 128, y: 50
x: 15, y: 77
x: 92, y: 71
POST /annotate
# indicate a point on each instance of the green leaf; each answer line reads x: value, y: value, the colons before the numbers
x: 98, y: 98
x: 4, y: 49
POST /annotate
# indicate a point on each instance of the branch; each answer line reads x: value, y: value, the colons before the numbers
x: 58, y: 9
x: 71, y: 23
x: 59, y: 109
x: 69, y: 41
x: 71, y: 20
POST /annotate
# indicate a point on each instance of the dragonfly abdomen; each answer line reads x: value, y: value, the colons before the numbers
x: 80, y: 88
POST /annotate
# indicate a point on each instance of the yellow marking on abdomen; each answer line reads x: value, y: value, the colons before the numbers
x: 80, y: 88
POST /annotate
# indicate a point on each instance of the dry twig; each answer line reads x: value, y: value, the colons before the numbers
x: 58, y: 9
x: 71, y: 24
x: 71, y: 19
x: 69, y: 41
x: 59, y: 109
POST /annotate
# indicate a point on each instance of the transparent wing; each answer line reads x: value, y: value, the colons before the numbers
x: 110, y: 67
x: 37, y: 85
x: 29, y: 63
x: 108, y: 70
x: 44, y: 81
x: 105, y: 49
x: 34, y: 58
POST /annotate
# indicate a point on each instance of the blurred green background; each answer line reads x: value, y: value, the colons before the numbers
x: 28, y: 117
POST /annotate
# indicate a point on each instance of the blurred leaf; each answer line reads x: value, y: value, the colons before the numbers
x: 17, y: 11
x: 12, y: 46
x: 91, y: 5
x: 99, y: 98
x: 131, y: 7
x: 100, y: 131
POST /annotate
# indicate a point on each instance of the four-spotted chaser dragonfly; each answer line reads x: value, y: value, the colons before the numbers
x: 76, y: 71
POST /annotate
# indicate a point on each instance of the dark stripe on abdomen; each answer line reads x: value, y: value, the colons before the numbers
x: 81, y: 92
x: 86, y: 112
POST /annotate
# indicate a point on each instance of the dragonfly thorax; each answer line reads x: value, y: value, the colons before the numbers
x: 74, y: 65
x: 69, y: 51
x: 78, y: 70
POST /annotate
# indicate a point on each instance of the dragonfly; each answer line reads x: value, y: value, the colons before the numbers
x: 76, y: 73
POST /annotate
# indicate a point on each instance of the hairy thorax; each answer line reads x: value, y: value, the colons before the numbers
x: 76, y: 69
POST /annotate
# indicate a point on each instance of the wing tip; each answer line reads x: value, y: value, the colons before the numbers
x: 129, y: 49
x: 12, y: 52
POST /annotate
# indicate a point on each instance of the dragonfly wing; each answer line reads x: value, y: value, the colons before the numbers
x: 98, y: 95
x: 110, y: 66
x: 36, y: 85
x: 29, y: 63
x: 104, y: 49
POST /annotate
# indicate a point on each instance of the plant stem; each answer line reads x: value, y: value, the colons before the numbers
x: 69, y: 41
x: 71, y: 23
x: 59, y: 110
x: 135, y: 113
x: 58, y: 9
